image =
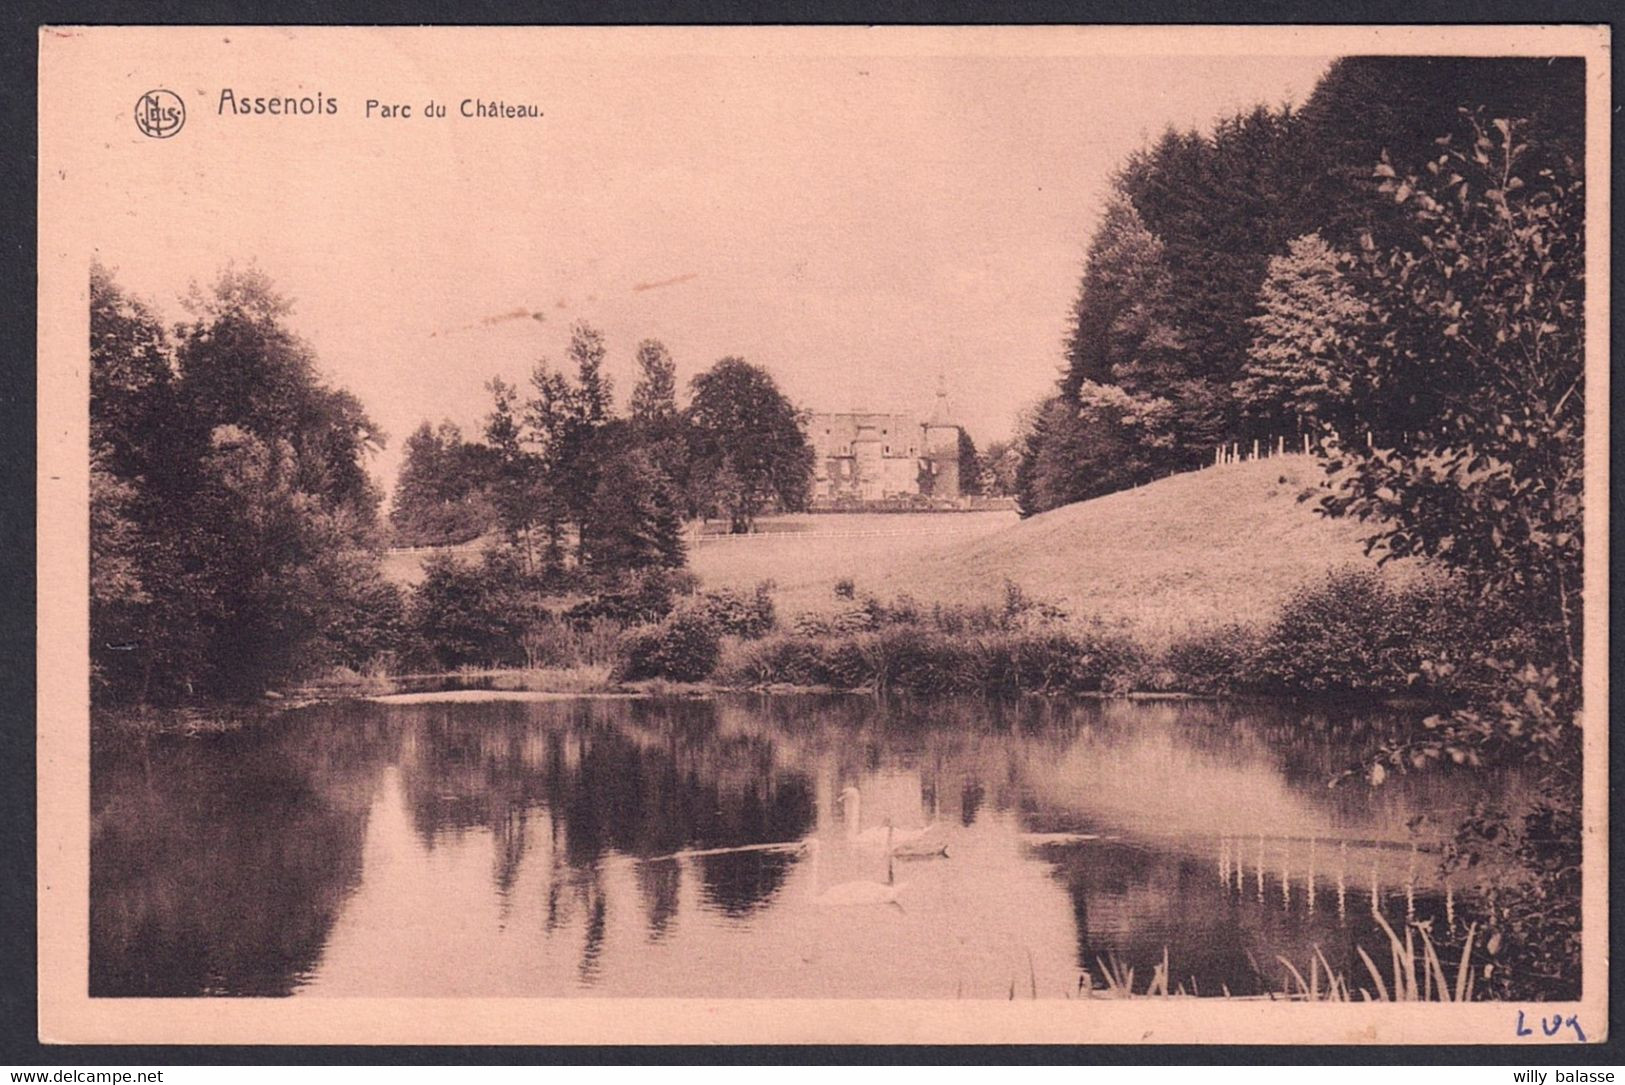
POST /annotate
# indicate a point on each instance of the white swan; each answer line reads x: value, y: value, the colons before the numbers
x: 904, y: 842
x: 853, y: 892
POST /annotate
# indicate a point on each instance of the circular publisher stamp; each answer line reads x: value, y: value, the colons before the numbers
x: 160, y: 113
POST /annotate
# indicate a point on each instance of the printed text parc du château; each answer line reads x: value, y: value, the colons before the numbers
x: 319, y: 104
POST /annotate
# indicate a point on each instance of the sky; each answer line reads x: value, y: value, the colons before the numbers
x: 863, y: 226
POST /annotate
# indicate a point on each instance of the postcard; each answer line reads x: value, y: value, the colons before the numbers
x: 727, y: 535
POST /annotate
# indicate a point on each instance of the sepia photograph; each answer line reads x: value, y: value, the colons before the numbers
x: 835, y: 535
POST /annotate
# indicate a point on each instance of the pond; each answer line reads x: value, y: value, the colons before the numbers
x: 736, y: 847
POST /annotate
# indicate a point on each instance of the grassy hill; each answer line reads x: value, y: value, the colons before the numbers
x: 1225, y: 544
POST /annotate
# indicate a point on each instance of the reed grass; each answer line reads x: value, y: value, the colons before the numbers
x: 1415, y: 973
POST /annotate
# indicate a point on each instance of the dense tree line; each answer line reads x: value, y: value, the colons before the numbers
x: 233, y: 524
x: 1206, y: 235
x: 572, y: 485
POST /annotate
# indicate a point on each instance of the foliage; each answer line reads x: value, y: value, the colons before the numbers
x: 632, y: 521
x: 748, y: 441
x: 1531, y: 923
x: 441, y: 497
x: 528, y: 504
x: 233, y: 520
x: 654, y: 397
x: 1460, y: 433
x: 1194, y: 290
x: 997, y: 469
x: 1352, y: 633
x: 642, y: 596
x: 1367, y: 105
x: 1222, y: 659
x: 1106, y: 439
x: 456, y: 619
x: 970, y: 466
x: 916, y: 658
x: 1309, y: 314
x: 735, y: 614
x: 684, y: 647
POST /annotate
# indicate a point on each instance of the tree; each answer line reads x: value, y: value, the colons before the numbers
x: 522, y: 487
x: 1220, y: 206
x: 1366, y: 106
x: 1119, y: 330
x: 594, y: 395
x: 970, y: 466
x: 654, y: 397
x: 241, y: 365
x: 658, y: 426
x: 1458, y: 427
x: 457, y: 617
x: 633, y: 522
x: 1309, y: 315
x: 230, y: 500
x: 748, y: 441
x: 999, y: 463
x: 1458, y: 434
x: 441, y: 494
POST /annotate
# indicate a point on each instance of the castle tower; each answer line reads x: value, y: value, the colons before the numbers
x: 940, y: 447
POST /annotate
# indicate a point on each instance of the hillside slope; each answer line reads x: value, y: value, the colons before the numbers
x: 1225, y: 544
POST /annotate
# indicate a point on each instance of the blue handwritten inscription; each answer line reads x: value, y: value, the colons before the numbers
x: 1551, y: 1026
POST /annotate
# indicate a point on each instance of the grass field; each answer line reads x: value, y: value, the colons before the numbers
x: 1225, y: 544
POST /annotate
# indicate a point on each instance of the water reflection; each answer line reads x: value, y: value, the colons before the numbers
x: 592, y: 847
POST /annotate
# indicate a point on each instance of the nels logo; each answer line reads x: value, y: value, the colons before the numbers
x: 160, y: 113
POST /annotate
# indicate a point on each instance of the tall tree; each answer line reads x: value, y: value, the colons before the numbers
x: 231, y: 507
x: 657, y: 424
x: 1308, y: 320
x: 970, y: 466
x: 522, y: 488
x: 654, y: 396
x: 1365, y: 106
x: 749, y: 441
x: 441, y: 496
x: 1458, y: 423
x: 633, y: 522
x: 595, y: 397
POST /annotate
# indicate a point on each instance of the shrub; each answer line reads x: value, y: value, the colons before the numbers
x: 1074, y: 661
x: 1356, y: 634
x: 857, y: 619
x: 636, y: 598
x: 685, y: 647
x: 811, y: 625
x: 456, y: 618
x: 920, y: 660
x: 1221, y: 659
x: 791, y: 660
x: 736, y: 614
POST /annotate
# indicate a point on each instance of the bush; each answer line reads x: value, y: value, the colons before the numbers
x: 1222, y: 659
x: 1356, y: 634
x: 736, y: 614
x: 457, y: 617
x: 920, y: 660
x: 685, y: 647
x: 636, y: 598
